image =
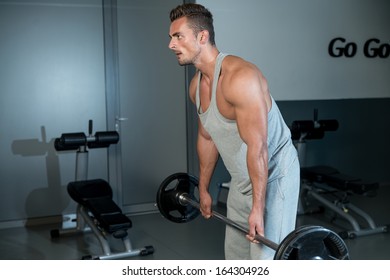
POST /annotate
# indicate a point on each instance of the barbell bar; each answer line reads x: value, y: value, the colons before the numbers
x: 184, y: 200
x: 176, y: 201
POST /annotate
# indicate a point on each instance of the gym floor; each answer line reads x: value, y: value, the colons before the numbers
x: 199, y: 239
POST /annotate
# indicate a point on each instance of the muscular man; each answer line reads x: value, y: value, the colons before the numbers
x: 239, y: 121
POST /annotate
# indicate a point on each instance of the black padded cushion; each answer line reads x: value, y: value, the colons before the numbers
x: 96, y: 196
x: 80, y: 191
x: 332, y: 177
x: 317, y: 173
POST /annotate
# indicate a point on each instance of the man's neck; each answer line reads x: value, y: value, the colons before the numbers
x: 207, y: 62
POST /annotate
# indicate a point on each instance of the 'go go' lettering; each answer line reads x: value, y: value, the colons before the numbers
x: 372, y: 48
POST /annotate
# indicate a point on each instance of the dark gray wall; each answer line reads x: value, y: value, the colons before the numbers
x: 360, y: 146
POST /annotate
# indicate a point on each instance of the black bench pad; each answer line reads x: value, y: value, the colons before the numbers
x: 96, y: 196
x: 332, y: 177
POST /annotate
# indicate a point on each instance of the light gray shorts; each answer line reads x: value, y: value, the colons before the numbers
x: 279, y: 217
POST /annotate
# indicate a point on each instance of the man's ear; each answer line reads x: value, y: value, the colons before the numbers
x: 203, y: 36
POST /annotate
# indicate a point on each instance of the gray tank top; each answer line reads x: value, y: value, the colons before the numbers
x: 233, y: 151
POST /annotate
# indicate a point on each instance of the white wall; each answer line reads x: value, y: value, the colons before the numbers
x: 288, y: 40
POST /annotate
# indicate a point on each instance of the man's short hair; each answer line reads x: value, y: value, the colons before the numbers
x: 199, y: 18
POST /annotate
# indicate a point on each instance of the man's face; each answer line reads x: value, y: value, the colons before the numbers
x: 183, y: 42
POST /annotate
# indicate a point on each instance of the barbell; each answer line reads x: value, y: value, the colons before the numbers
x: 177, y: 201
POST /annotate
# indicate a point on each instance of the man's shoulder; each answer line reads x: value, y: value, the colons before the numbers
x: 237, y: 68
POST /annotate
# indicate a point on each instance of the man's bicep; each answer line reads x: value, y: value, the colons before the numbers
x: 251, y: 114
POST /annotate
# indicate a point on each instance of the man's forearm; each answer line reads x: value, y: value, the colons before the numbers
x: 257, y: 162
x: 208, y: 157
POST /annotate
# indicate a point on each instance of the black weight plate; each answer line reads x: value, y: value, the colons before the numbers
x: 312, y: 243
x: 168, y: 201
x: 285, y: 244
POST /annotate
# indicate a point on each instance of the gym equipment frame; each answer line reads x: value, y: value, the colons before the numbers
x: 328, y: 186
x: 96, y: 210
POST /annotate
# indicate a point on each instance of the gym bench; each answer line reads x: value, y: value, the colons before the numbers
x: 333, y: 189
x: 96, y: 209
x: 328, y: 186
